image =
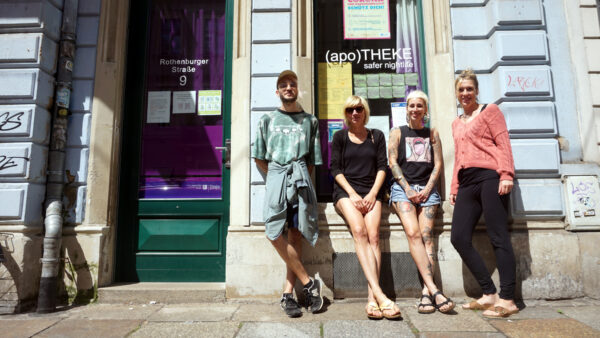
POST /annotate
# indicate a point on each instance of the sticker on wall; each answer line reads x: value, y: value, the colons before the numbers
x: 184, y: 102
x: 583, y: 196
x: 159, y: 107
x: 366, y: 19
x: 398, y: 114
x: 209, y: 102
x: 335, y: 85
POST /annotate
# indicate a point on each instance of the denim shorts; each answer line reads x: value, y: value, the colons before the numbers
x: 398, y: 195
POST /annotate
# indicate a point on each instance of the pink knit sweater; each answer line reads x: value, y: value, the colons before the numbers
x: 483, y: 142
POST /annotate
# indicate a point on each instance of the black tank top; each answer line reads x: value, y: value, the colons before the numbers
x: 415, y: 154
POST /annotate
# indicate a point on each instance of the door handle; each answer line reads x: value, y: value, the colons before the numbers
x: 227, y: 149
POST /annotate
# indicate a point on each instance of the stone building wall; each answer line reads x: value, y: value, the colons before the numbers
x: 29, y: 36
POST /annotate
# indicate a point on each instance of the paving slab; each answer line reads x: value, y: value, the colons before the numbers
x: 187, y: 329
x: 194, y: 313
x: 110, y: 311
x: 366, y: 328
x: 25, y: 327
x: 588, y: 315
x: 544, y: 328
x: 276, y: 330
x: 459, y: 321
x: 538, y: 312
x: 91, y: 328
x: 273, y: 313
x: 461, y: 335
x: 563, y: 302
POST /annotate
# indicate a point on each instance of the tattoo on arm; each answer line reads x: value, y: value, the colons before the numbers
x: 399, y: 177
x: 437, y: 159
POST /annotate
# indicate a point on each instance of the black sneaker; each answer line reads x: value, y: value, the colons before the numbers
x: 314, y: 300
x: 290, y: 306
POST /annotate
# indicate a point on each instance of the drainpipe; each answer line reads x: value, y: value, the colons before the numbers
x: 56, y: 161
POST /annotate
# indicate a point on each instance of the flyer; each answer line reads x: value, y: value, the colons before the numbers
x: 366, y: 19
x: 184, y: 102
x: 209, y: 102
x: 398, y: 114
x: 335, y: 86
x: 159, y: 107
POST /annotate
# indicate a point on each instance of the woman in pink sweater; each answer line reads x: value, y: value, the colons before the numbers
x: 481, y: 182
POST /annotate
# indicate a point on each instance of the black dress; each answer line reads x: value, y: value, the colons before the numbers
x: 358, y: 162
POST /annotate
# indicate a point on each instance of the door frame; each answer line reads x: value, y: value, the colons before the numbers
x: 129, y: 210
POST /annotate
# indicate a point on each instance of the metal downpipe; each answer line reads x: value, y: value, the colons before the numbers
x: 53, y: 221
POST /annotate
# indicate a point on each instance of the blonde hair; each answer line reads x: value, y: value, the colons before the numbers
x: 355, y: 101
x: 418, y: 94
x: 467, y: 74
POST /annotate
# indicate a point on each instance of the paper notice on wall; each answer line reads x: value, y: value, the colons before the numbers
x: 382, y: 123
x: 335, y: 85
x: 366, y: 19
x: 398, y: 114
x: 209, y: 102
x: 184, y: 102
x: 159, y: 107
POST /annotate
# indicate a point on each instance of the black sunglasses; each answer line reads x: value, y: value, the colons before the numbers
x: 358, y: 109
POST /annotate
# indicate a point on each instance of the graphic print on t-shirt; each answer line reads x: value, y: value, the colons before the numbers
x: 418, y: 149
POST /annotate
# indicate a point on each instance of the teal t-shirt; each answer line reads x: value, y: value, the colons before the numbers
x: 285, y: 137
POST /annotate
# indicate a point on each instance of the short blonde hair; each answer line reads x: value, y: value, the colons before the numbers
x: 418, y: 94
x: 356, y: 101
x: 467, y: 74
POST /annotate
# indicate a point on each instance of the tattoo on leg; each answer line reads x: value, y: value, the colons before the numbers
x: 430, y: 212
x: 429, y: 270
x: 406, y: 208
x: 426, y: 235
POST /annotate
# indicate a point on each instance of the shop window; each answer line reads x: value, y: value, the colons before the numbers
x: 370, y: 48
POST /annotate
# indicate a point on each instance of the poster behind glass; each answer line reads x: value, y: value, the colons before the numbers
x: 369, y: 48
x: 183, y: 122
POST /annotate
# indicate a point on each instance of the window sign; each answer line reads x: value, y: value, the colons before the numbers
x: 366, y: 19
x: 183, y: 123
x: 370, y: 48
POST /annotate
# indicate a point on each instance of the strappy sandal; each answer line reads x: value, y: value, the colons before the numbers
x: 372, y: 307
x: 389, y: 305
x: 421, y: 306
x: 448, y: 301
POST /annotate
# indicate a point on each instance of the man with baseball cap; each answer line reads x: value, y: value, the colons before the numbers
x: 287, y: 148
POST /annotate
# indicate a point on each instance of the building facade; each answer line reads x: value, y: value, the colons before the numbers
x: 160, y: 186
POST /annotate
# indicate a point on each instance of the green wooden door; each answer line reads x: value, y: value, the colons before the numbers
x: 174, y: 178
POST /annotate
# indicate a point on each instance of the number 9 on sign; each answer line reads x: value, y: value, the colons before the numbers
x: 182, y: 80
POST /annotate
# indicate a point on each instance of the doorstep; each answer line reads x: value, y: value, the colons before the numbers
x: 165, y: 293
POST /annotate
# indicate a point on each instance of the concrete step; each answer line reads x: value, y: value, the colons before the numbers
x: 165, y: 293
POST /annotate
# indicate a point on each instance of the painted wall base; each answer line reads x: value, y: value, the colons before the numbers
x: 548, y: 263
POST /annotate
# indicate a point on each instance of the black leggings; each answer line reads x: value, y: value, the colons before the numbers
x: 470, y: 201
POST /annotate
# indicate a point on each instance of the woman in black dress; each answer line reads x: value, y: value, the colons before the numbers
x: 358, y: 164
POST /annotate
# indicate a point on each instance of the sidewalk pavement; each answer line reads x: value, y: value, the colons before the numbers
x: 342, y: 318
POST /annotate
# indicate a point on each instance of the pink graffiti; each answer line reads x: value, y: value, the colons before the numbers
x: 525, y: 83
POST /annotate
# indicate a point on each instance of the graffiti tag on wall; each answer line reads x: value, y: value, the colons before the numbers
x: 583, y: 194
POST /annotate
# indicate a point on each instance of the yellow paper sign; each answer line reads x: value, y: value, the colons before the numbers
x: 335, y: 85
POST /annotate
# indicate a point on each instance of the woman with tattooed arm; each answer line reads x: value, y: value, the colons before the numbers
x: 415, y: 157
